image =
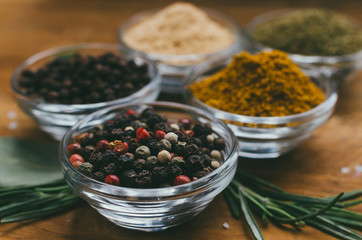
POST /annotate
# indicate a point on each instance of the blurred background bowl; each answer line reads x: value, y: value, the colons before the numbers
x: 173, y: 68
x: 337, y: 68
x: 266, y: 137
x: 55, y: 119
x: 158, y: 208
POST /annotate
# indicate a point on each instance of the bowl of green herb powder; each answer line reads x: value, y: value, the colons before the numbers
x: 320, y: 39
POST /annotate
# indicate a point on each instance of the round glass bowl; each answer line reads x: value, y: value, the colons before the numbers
x: 337, y: 68
x: 266, y: 137
x: 55, y: 119
x: 173, y: 68
x: 151, y: 209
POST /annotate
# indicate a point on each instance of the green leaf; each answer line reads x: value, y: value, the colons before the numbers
x: 28, y: 162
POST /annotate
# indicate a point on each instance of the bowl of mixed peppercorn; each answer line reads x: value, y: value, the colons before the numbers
x: 149, y: 166
x: 59, y: 86
x: 267, y: 100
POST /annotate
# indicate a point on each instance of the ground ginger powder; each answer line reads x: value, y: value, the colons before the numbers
x: 180, y: 28
x: 264, y: 85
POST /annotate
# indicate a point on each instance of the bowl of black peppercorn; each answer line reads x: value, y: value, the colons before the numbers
x: 60, y: 86
x: 149, y: 166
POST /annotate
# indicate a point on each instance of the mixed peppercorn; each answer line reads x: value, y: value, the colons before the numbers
x: 82, y: 79
x: 144, y: 150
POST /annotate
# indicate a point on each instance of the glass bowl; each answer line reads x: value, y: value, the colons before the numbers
x: 151, y: 209
x: 173, y: 68
x: 337, y: 68
x: 55, y: 119
x: 266, y: 137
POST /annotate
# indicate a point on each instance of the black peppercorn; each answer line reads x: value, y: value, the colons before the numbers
x: 109, y: 156
x: 144, y: 179
x: 133, y: 144
x: 147, y: 112
x: 152, y: 145
x: 99, y: 176
x: 110, y: 169
x: 87, y: 152
x: 202, y: 129
x: 206, y: 160
x: 116, y: 134
x: 88, y: 139
x: 96, y: 159
x: 139, y: 165
x: 128, y: 178
x: 153, y: 119
x: 175, y: 170
x: 179, y: 148
x: 192, y: 149
x: 162, y: 126
x: 126, y: 161
x: 219, y: 144
x: 194, y: 163
x: 200, y: 173
x: 183, y: 137
x: 160, y: 174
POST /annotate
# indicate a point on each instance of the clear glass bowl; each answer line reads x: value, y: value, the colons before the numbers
x: 173, y: 68
x: 55, y: 119
x: 157, y: 208
x: 337, y: 68
x: 266, y: 137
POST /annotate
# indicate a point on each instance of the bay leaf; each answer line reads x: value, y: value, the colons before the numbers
x: 25, y: 162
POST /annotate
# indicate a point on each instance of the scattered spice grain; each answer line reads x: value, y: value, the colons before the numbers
x: 264, y: 85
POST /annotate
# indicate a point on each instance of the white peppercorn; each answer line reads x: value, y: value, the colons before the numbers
x: 164, y: 156
x: 215, y: 154
x: 142, y: 152
x: 171, y: 137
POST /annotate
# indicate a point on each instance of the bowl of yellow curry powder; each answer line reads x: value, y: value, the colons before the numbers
x: 269, y: 103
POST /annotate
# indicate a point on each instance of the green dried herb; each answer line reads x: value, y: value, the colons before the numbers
x: 272, y: 203
x: 317, y: 32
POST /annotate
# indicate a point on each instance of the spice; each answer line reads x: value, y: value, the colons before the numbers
x: 81, y: 79
x: 143, y: 157
x: 264, y: 85
x: 180, y: 28
x: 311, y: 32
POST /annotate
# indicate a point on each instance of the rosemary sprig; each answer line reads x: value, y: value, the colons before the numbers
x: 325, y: 214
x: 34, y: 201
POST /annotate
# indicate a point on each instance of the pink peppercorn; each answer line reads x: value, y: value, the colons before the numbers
x: 74, y: 148
x: 76, y: 157
x: 112, y: 179
x: 181, y: 179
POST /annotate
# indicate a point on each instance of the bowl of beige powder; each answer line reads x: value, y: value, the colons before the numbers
x: 179, y: 37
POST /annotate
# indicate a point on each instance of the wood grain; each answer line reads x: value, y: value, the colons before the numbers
x: 314, y: 168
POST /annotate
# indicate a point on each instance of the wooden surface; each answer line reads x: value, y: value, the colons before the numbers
x: 314, y: 168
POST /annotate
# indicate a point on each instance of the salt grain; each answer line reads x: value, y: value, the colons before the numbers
x: 345, y: 170
x: 358, y: 168
x: 13, y: 125
x: 225, y: 225
x: 11, y: 114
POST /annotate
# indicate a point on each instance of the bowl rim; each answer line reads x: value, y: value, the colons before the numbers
x: 40, y: 103
x: 233, y: 26
x: 184, y: 189
x: 275, y: 14
x: 325, y: 106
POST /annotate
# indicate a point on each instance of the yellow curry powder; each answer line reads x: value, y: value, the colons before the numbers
x: 264, y: 85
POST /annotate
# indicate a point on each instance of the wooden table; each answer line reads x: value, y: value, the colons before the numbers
x: 314, y: 168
